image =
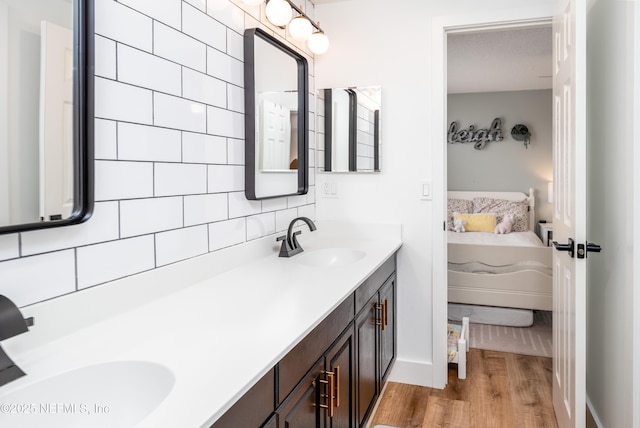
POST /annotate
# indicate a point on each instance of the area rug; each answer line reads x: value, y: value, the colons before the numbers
x: 535, y: 340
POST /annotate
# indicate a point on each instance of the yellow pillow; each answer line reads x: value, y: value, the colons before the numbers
x: 478, y: 222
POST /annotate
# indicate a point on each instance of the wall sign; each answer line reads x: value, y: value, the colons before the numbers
x: 479, y: 137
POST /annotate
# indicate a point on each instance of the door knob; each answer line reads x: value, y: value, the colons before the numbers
x: 590, y: 247
x: 570, y: 247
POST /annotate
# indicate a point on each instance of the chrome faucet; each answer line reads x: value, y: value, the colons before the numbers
x: 11, y: 324
x: 290, y: 246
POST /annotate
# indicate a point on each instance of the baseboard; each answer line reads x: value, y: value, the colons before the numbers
x: 592, y: 417
x: 412, y: 372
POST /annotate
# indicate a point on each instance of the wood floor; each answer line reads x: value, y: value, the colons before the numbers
x: 501, y: 390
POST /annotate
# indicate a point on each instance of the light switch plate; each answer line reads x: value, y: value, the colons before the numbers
x: 426, y: 192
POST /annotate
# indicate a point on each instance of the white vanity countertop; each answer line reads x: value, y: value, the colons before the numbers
x: 219, y: 335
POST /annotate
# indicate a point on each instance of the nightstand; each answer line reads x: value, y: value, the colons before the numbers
x: 545, y: 231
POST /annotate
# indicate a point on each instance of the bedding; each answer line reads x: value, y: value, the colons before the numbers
x: 457, y: 205
x: 518, y: 239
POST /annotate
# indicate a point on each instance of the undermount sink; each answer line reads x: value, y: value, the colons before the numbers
x: 113, y: 394
x: 330, y: 257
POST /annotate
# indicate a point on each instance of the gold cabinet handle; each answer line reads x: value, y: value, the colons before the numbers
x: 336, y: 371
x: 379, y: 320
x: 330, y: 382
x: 386, y: 313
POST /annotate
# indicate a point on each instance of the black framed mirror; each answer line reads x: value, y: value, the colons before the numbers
x: 276, y: 118
x: 46, y: 113
x: 349, y: 129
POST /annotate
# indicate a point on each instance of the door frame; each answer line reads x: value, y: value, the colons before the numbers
x: 441, y: 26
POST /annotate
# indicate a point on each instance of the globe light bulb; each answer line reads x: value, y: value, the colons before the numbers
x: 300, y: 28
x: 278, y: 12
x: 318, y: 43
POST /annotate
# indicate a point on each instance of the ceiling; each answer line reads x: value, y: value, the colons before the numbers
x: 499, y: 60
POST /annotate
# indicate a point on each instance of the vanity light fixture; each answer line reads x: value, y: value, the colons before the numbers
x: 301, y: 28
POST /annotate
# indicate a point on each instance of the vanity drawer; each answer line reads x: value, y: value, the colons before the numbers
x: 254, y: 407
x: 371, y: 285
x: 296, y: 363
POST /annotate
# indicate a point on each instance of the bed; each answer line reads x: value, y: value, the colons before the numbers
x: 511, y: 270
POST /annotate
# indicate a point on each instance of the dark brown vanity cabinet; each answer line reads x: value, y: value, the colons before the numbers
x: 375, y: 337
x: 332, y: 378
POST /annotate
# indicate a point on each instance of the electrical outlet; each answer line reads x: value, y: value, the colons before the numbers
x: 329, y: 189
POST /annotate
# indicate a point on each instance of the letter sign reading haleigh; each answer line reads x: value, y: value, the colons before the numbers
x: 479, y: 137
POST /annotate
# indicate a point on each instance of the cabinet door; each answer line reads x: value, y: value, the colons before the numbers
x: 301, y: 409
x: 341, y: 362
x: 366, y: 367
x: 387, y: 329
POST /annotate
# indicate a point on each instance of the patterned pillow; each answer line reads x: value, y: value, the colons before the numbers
x: 519, y: 209
x: 462, y: 206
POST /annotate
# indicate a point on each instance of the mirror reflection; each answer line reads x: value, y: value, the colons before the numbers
x: 276, y: 108
x: 348, y: 127
x: 38, y: 72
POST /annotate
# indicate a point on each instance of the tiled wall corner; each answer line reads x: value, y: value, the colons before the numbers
x: 169, y: 148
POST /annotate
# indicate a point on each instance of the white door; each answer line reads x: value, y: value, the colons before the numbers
x: 569, y: 214
x: 275, y: 136
x: 56, y: 121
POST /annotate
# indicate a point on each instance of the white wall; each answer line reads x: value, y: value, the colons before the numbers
x: 378, y: 42
x: 503, y: 165
x: 169, y: 152
x: 613, y: 197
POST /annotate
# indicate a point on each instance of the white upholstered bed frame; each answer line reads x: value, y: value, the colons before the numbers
x: 527, y: 289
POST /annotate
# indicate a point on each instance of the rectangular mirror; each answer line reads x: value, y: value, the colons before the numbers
x: 46, y: 131
x: 276, y: 121
x: 348, y: 129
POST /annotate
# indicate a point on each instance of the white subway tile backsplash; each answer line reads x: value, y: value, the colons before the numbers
x: 261, y: 225
x: 307, y: 211
x: 200, y: 209
x: 176, y: 46
x: 225, y: 178
x: 24, y: 284
x: 9, y: 247
x: 201, y: 26
x: 167, y: 11
x: 178, y: 113
x: 227, y: 13
x: 105, y: 57
x: 227, y: 233
x: 296, y: 201
x: 284, y: 217
x: 236, y: 151
x: 149, y: 71
x: 119, y: 101
x: 240, y: 206
x: 141, y: 216
x: 200, y: 4
x: 274, y: 204
x: 123, y: 24
x: 311, y: 195
x: 235, y: 98
x: 123, y: 180
x: 169, y: 148
x: 180, y: 179
x: 201, y: 148
x: 225, y: 67
x: 235, y: 45
x: 225, y: 123
x: 112, y: 260
x: 181, y: 244
x: 102, y: 226
x: 206, y: 89
x: 105, y: 139
x: 148, y: 143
